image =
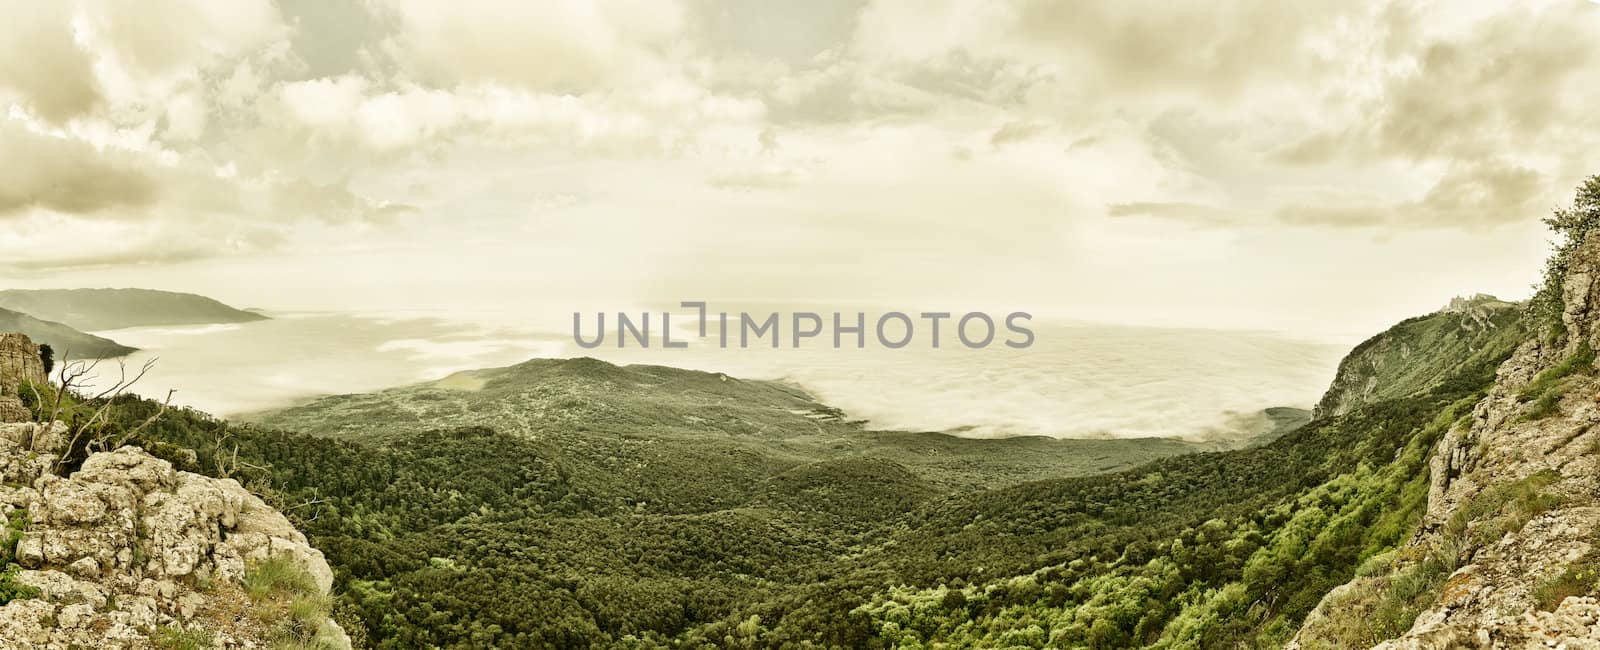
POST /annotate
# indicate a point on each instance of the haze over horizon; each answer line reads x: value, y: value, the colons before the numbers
x: 1249, y: 164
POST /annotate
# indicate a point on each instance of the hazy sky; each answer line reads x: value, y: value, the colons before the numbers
x: 1330, y: 166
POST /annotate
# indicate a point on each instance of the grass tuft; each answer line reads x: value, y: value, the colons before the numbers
x: 1546, y: 390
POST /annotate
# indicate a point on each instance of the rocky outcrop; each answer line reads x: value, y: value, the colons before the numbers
x: 19, y: 363
x: 127, y: 549
x: 1571, y: 627
x: 127, y: 546
x: 1513, y: 510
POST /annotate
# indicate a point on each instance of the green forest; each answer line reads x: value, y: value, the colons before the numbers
x: 580, y: 504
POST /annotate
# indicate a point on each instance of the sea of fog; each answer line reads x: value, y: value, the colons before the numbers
x: 1078, y: 379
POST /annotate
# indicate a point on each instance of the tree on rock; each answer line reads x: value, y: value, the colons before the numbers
x: 47, y: 355
x: 1571, y: 226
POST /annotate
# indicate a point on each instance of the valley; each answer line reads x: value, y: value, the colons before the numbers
x: 579, y: 503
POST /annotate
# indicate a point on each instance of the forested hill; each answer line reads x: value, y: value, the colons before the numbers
x: 106, y: 309
x: 575, y: 503
x: 650, y: 429
x: 1413, y: 355
x: 65, y: 341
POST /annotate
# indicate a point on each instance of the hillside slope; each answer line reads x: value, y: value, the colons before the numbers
x: 1508, y: 554
x: 1411, y: 356
x: 107, y: 309
x: 66, y: 341
x: 652, y: 425
x: 578, y: 503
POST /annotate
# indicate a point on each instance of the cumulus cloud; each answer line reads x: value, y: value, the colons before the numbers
x: 41, y: 67
x: 563, y: 47
x: 64, y: 174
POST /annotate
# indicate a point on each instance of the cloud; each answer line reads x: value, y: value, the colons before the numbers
x: 564, y: 47
x: 1483, y: 193
x: 1214, y: 50
x: 67, y: 175
x: 333, y: 202
x: 1342, y: 214
x: 40, y: 64
x: 262, y: 124
x: 1470, y: 195
x: 1195, y: 214
x: 1016, y: 132
x: 1521, y: 78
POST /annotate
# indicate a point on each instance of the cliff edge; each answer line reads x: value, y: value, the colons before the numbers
x: 1512, y: 527
x: 1417, y: 353
x: 126, y: 552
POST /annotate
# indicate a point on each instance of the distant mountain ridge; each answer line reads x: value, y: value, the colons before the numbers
x: 571, y: 402
x: 66, y: 341
x: 108, y: 309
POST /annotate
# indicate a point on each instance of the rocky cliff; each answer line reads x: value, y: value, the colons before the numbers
x: 19, y: 363
x: 1513, y: 519
x: 1392, y: 364
x: 126, y: 552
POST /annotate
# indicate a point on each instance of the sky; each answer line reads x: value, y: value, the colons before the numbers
x: 1326, y: 167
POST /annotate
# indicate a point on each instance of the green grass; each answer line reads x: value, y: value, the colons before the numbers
x: 177, y: 638
x: 1580, y: 579
x: 287, y: 597
x: 1393, y: 592
x: 16, y: 522
x: 12, y: 589
x: 1497, y: 512
x: 1547, y: 389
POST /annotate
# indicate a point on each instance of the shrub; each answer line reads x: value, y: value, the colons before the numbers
x: 178, y: 638
x: 287, y: 597
x: 1547, y: 389
x: 1571, y: 226
x: 47, y: 356
x: 1578, y: 580
x: 12, y: 589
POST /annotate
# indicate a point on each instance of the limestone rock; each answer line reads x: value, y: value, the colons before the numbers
x: 127, y: 545
x: 19, y: 363
x: 1492, y: 600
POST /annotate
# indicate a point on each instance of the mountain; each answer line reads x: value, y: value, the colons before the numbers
x: 682, y: 505
x: 108, y: 309
x: 66, y: 341
x: 606, y: 416
x: 1414, y: 354
x: 577, y: 503
x: 1507, y: 553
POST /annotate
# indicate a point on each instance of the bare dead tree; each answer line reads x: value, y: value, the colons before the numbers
x: 130, y: 434
x: 80, y: 375
x: 315, y: 502
x: 74, y: 374
x: 227, y: 462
